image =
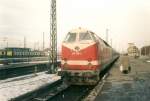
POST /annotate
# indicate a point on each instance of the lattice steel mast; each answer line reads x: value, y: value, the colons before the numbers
x: 53, y: 35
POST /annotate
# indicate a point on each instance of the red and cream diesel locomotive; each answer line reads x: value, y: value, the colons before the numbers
x: 84, y: 57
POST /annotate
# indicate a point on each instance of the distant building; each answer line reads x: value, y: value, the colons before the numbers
x: 145, y: 51
x: 133, y: 50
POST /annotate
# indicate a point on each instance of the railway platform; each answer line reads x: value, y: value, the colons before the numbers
x: 20, y: 69
x: 17, y: 65
x: 134, y: 86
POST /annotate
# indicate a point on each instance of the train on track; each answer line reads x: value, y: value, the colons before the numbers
x: 14, y: 55
x: 84, y: 56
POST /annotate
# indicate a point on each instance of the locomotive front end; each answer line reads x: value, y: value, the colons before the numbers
x: 79, y: 63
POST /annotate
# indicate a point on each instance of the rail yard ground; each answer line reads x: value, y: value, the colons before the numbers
x: 134, y: 86
x: 115, y: 85
x: 14, y: 87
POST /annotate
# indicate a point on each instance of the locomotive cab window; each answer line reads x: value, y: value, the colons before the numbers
x: 93, y: 36
x: 71, y: 37
x: 84, y: 36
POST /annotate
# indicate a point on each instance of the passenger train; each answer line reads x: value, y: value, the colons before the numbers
x: 84, y: 56
x: 14, y: 55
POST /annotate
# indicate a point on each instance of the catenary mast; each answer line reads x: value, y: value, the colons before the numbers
x: 53, y: 36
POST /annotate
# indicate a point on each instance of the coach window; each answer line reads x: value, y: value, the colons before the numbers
x: 71, y: 37
x: 84, y: 36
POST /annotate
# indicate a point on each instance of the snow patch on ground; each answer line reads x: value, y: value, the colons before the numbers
x: 148, y: 61
x: 16, y: 88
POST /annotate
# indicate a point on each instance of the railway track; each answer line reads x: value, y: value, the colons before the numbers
x: 58, y: 91
x: 40, y: 94
x: 14, y: 88
x: 72, y: 93
x: 82, y: 93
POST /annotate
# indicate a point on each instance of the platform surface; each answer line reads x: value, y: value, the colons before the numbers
x: 134, y: 86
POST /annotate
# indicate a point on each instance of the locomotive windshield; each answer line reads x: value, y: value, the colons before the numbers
x: 71, y: 37
x: 84, y: 36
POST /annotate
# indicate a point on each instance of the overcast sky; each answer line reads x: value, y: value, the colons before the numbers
x: 127, y: 20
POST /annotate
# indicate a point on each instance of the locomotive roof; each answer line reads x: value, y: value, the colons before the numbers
x: 82, y: 30
x: 78, y: 30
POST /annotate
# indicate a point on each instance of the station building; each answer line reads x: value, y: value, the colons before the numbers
x: 133, y: 50
x: 145, y: 51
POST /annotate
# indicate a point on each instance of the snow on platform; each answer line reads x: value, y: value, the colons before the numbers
x: 15, y: 87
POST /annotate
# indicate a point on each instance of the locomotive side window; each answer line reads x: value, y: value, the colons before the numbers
x: 84, y: 36
x: 71, y: 37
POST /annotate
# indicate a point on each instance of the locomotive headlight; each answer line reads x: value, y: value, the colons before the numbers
x: 65, y: 64
x: 65, y: 60
x: 89, y: 64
